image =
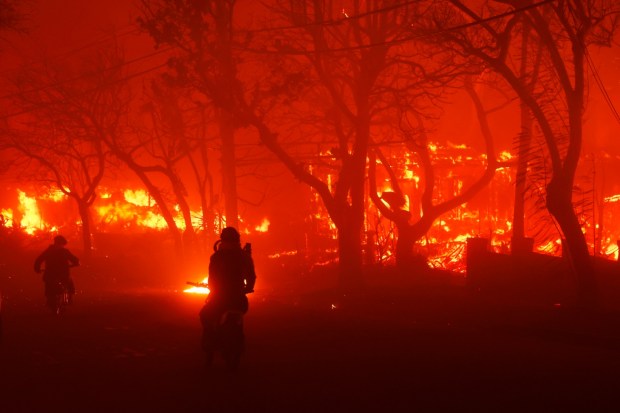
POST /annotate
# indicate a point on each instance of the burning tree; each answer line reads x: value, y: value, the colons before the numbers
x: 553, y: 91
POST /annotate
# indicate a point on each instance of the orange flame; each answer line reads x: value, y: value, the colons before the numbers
x: 199, y: 290
x: 264, y: 226
x: 31, y: 219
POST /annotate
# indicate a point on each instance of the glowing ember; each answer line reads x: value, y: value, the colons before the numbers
x: 549, y: 247
x: 283, y: 254
x: 613, y: 198
x: 198, y: 288
x: 505, y: 156
x: 264, y: 226
x: 612, y: 251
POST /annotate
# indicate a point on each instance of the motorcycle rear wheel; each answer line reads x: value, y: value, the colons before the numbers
x: 58, y: 302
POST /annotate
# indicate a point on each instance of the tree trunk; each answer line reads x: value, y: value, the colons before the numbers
x: 229, y: 170
x: 350, y: 255
x: 84, y: 212
x: 559, y: 204
x: 159, y: 200
x: 404, y: 246
x: 525, y: 139
x: 189, y: 235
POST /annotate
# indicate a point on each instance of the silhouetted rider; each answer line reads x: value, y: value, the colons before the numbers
x: 231, y: 277
x: 57, y: 260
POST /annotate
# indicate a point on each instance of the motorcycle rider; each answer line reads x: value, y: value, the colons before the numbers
x: 57, y: 259
x: 231, y: 277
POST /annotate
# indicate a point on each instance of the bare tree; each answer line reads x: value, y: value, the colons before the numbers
x: 340, y: 76
x: 392, y: 203
x: 66, y: 115
x: 204, y: 32
x: 565, y: 30
x: 174, y: 138
x: 129, y: 150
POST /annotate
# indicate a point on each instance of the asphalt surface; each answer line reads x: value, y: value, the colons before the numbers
x: 417, y: 349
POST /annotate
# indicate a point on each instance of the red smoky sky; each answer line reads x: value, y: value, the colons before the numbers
x: 54, y: 29
x: 62, y: 27
x: 58, y: 27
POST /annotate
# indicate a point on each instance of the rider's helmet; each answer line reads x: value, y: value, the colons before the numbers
x: 60, y: 240
x: 230, y: 234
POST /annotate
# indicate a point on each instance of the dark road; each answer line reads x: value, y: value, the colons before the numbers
x: 430, y: 351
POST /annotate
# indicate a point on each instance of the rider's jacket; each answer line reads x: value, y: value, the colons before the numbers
x: 231, y: 273
x: 57, y: 261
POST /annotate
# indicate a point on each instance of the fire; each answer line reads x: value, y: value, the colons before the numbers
x: 488, y: 216
x: 263, y: 227
x: 283, y: 254
x: 28, y: 215
x: 55, y: 195
x: 505, y: 156
x: 199, y: 289
x: 7, y: 218
x: 136, y: 209
x: 31, y: 220
x: 612, y: 251
x: 114, y: 210
x: 138, y: 197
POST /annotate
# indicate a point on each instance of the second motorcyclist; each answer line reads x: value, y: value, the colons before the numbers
x: 57, y: 260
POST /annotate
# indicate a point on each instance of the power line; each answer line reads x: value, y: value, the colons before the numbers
x: 332, y: 22
x: 405, y: 39
x: 98, y: 41
x: 124, y: 79
x: 397, y: 41
x: 338, y: 21
x: 597, y: 77
x: 600, y: 84
x: 92, y: 43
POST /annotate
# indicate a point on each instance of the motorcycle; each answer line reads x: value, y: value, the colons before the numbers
x: 228, y: 340
x: 224, y: 335
x: 222, y: 324
x: 58, y: 298
x: 57, y: 295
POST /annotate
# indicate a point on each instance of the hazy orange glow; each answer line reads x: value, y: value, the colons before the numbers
x: 443, y: 246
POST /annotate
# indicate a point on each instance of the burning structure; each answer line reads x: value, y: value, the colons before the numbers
x: 488, y: 215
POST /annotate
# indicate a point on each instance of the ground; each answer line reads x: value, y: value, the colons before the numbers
x: 427, y: 347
